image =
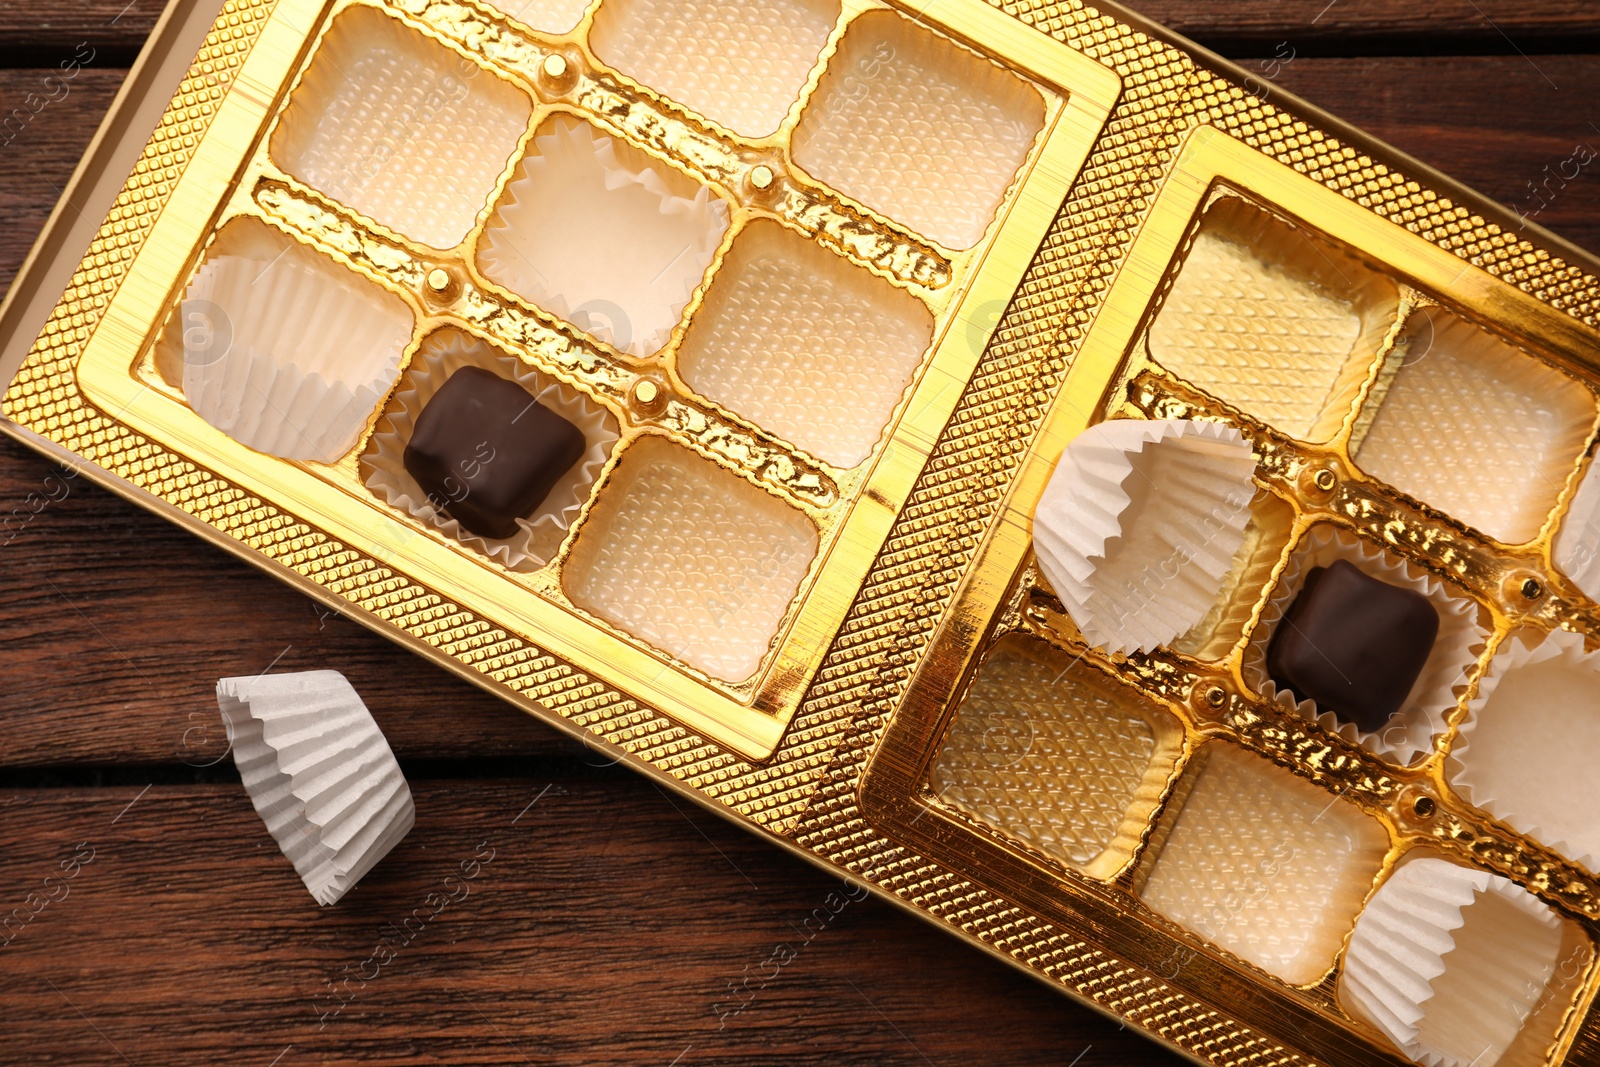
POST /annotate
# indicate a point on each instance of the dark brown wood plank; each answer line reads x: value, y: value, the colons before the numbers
x: 599, y: 929
x: 1440, y: 26
x: 119, y: 624
x: 1507, y: 126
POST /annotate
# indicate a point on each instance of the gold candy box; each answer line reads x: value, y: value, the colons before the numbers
x: 831, y: 300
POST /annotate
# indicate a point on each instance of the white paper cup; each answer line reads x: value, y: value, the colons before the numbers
x: 1412, y: 729
x: 1139, y: 525
x: 319, y: 773
x: 597, y: 233
x: 284, y: 351
x: 538, y: 535
x: 1449, y: 962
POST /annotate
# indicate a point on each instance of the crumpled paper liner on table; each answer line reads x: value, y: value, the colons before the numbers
x: 319, y: 773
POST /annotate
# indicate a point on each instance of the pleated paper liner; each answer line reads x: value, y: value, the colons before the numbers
x: 400, y: 128
x: 1475, y: 427
x: 595, y: 231
x: 870, y: 129
x: 1276, y: 320
x: 1411, y: 731
x: 538, y: 535
x: 319, y: 773
x: 281, y: 349
x: 1139, y: 525
x: 1526, y: 751
x: 1450, y: 963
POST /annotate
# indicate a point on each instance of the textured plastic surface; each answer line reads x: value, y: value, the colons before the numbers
x: 691, y: 559
x: 736, y: 63
x: 401, y: 129
x: 1046, y: 754
x: 1477, y: 428
x: 593, y: 230
x: 1272, y: 321
x: 805, y: 344
x: 918, y: 128
x: 1266, y: 865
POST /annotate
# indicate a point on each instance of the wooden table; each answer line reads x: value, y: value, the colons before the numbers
x: 612, y: 919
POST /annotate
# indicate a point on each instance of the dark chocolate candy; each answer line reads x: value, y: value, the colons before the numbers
x: 1353, y: 644
x: 487, y: 453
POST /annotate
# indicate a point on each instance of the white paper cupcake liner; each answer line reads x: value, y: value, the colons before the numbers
x: 319, y: 773
x: 282, y: 351
x: 1139, y: 525
x: 1448, y: 962
x: 596, y: 235
x: 539, y: 536
x: 1412, y: 729
x: 1535, y: 769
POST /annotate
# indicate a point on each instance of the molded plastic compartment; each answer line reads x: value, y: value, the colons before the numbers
x: 1273, y: 319
x: 597, y: 232
x: 1477, y: 428
x: 805, y: 344
x: 400, y: 128
x: 739, y: 64
x: 919, y: 128
x: 691, y: 559
x: 1266, y: 865
x: 1056, y: 755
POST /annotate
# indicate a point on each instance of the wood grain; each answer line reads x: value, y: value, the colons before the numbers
x: 605, y: 928
x: 1237, y: 26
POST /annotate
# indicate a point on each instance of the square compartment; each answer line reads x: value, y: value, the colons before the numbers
x: 691, y: 559
x: 1477, y: 428
x: 1411, y: 732
x: 738, y: 64
x: 1526, y: 752
x: 400, y: 128
x: 441, y: 354
x: 813, y: 348
x: 603, y: 235
x: 1056, y: 755
x: 1266, y: 865
x: 1272, y: 319
x: 547, y: 16
x: 918, y: 128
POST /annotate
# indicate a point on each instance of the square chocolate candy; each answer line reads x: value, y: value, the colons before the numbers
x: 487, y: 453
x: 1353, y: 644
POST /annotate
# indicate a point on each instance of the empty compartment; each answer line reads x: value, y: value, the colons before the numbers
x: 400, y: 128
x: 1265, y: 537
x: 1054, y: 754
x: 805, y: 344
x: 691, y: 559
x: 1477, y: 428
x: 1266, y: 865
x: 918, y: 128
x: 541, y: 530
x: 1274, y: 320
x: 280, y: 347
x: 1526, y: 752
x: 1462, y: 968
x: 597, y: 232
x: 738, y: 64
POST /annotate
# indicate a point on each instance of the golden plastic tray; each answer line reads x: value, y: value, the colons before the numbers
x: 925, y: 716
